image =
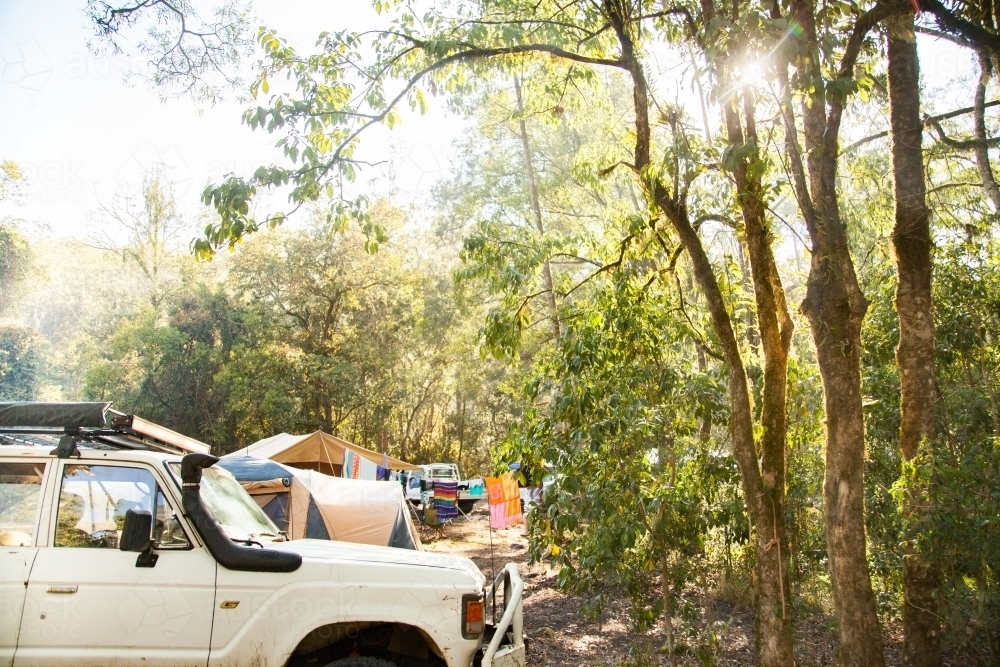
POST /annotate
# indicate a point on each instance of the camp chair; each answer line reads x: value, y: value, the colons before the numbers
x: 430, y: 519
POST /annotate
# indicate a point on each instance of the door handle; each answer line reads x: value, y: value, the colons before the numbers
x: 66, y: 590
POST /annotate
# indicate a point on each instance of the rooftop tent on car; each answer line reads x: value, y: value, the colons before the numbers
x: 53, y: 415
x: 81, y: 421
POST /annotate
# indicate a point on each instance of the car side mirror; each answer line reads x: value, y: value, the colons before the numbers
x: 136, y: 536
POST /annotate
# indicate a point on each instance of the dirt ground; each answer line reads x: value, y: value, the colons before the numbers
x: 559, y: 635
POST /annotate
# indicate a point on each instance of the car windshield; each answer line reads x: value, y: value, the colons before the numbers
x: 232, y: 507
x: 443, y: 472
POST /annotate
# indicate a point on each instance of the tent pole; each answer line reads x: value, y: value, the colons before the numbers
x: 493, y: 570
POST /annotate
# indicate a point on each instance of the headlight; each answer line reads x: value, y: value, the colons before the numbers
x: 473, y: 618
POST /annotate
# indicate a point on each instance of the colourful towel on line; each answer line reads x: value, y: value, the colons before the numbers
x: 446, y: 500
x: 498, y: 516
x: 352, y: 465
x: 504, y: 510
x: 509, y: 487
x: 514, y: 511
x: 358, y: 467
x: 505, y: 514
x: 367, y: 470
x: 494, y: 488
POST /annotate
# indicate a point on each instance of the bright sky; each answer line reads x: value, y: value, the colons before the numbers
x: 81, y: 135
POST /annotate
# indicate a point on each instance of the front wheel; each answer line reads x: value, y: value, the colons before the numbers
x: 361, y: 662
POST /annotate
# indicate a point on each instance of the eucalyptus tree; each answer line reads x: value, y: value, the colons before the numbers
x: 11, y: 180
x: 489, y: 201
x: 972, y: 26
x: 950, y: 527
x: 343, y: 312
x: 15, y: 252
x: 824, y: 74
x: 835, y: 304
x: 912, y: 244
x: 338, y: 93
x: 151, y: 227
x: 729, y: 47
x: 20, y: 363
x: 164, y: 364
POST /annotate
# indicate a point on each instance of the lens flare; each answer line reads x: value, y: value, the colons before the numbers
x: 751, y: 74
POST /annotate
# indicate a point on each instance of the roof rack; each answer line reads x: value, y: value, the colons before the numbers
x: 88, y: 422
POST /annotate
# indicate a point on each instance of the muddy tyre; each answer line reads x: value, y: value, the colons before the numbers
x: 361, y: 662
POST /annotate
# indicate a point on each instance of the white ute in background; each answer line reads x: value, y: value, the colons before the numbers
x: 445, y: 472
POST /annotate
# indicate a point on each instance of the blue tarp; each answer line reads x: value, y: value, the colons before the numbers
x: 249, y: 469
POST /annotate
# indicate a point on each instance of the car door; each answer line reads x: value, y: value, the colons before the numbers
x: 21, y: 494
x: 89, y: 603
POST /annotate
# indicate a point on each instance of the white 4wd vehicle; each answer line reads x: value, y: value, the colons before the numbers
x: 445, y: 472
x: 121, y: 544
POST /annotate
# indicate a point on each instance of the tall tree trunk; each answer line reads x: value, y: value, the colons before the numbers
x: 773, y: 608
x: 772, y: 605
x: 668, y: 608
x: 911, y: 240
x: 461, y: 432
x: 536, y: 209
x: 835, y: 314
x: 775, y: 327
x: 835, y: 308
x: 774, y: 323
x: 982, y: 150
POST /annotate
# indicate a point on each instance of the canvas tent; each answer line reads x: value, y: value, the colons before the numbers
x: 306, y: 503
x: 317, y: 451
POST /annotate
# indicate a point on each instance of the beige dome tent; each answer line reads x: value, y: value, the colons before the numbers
x: 317, y: 451
x: 306, y: 503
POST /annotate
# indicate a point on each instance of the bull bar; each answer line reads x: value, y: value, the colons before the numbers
x: 498, y: 653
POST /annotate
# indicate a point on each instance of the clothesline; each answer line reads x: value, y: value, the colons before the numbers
x: 358, y: 467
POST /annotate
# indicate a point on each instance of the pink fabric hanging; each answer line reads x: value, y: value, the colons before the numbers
x: 504, y: 510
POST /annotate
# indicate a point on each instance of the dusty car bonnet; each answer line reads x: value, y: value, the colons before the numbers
x: 346, y: 551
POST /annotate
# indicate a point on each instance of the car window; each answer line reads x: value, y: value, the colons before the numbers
x: 93, y: 500
x: 20, y: 492
x: 443, y: 472
x: 167, y: 531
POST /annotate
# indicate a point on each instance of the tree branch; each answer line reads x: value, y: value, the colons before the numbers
x: 605, y: 268
x: 963, y: 144
x: 929, y: 120
x: 948, y: 21
x: 698, y: 338
x: 981, y: 143
x: 955, y: 39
